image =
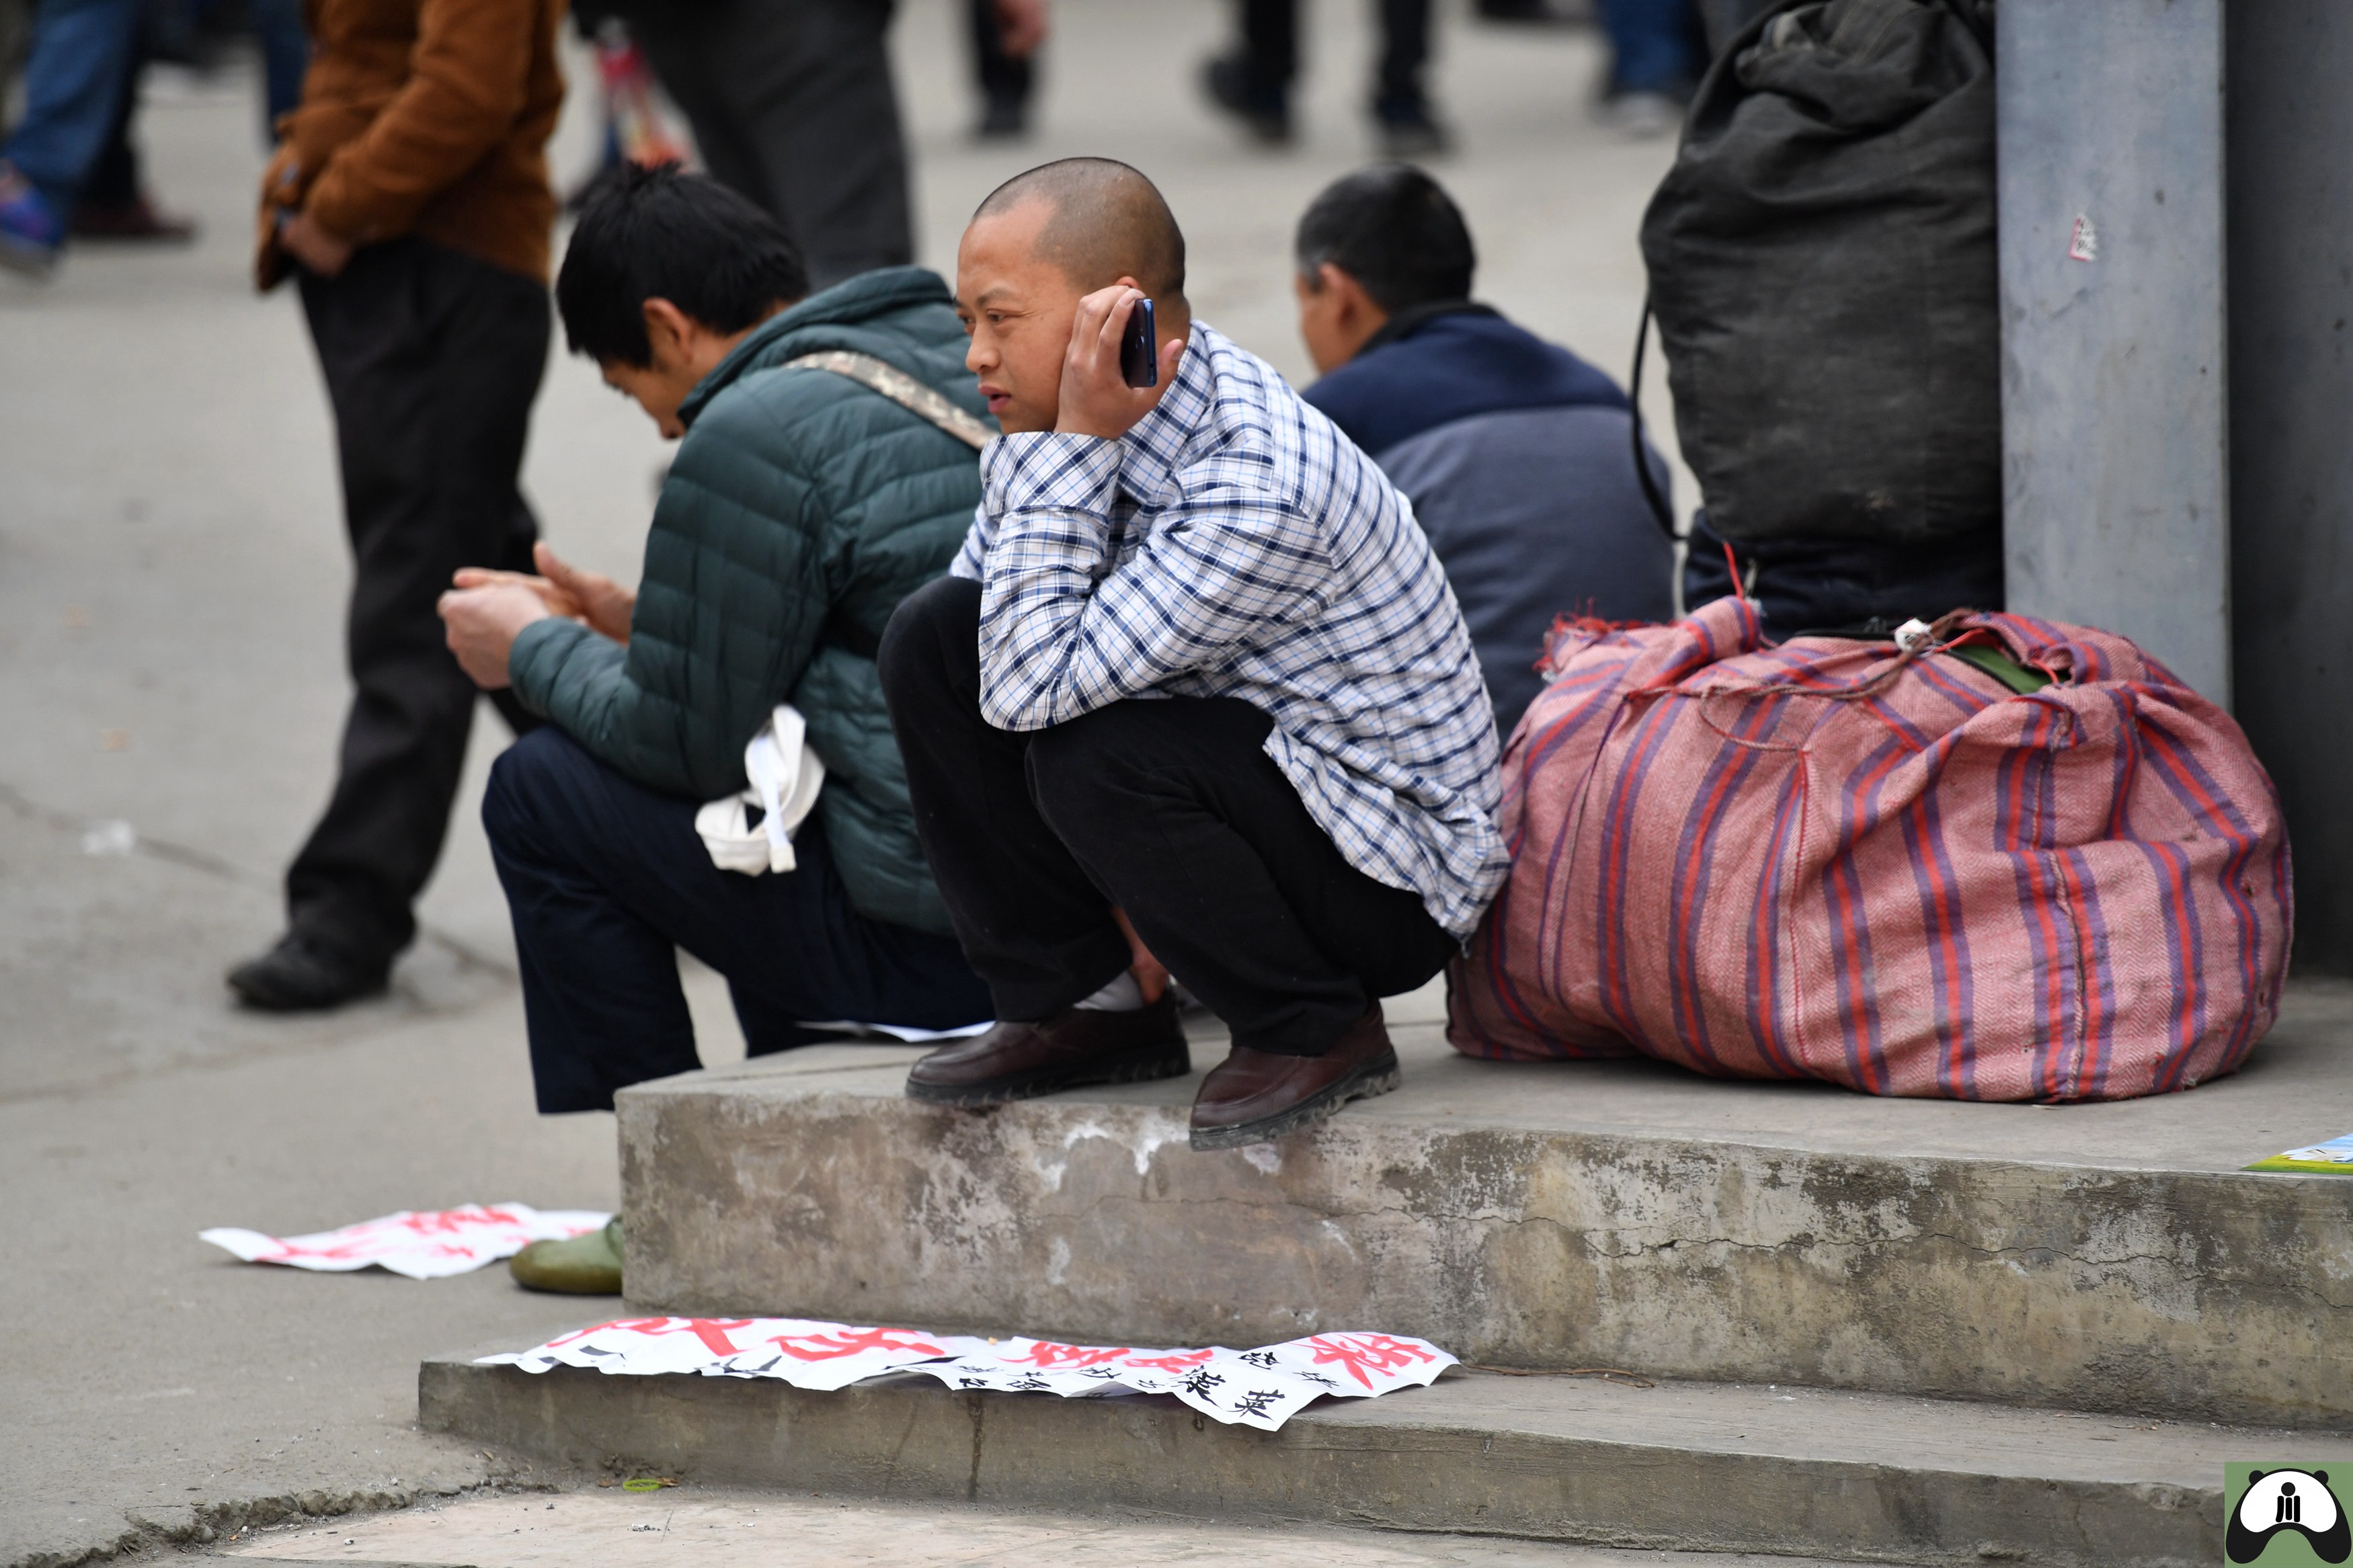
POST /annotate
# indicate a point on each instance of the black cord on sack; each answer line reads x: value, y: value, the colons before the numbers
x: 1659, y: 508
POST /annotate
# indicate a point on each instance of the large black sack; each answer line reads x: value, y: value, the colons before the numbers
x: 1822, y: 267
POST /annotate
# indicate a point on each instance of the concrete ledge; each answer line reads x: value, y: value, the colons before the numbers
x: 2099, y: 1257
x: 1674, y: 1467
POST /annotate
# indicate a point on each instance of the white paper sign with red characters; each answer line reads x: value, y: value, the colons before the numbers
x: 427, y: 1246
x: 1259, y: 1388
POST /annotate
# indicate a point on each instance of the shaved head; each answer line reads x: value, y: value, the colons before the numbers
x: 1104, y: 222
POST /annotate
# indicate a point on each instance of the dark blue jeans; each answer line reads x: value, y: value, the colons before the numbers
x: 285, y: 57
x: 74, y: 83
x: 606, y: 879
x: 1655, y: 46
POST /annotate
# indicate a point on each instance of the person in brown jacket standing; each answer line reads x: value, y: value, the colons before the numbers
x: 409, y: 197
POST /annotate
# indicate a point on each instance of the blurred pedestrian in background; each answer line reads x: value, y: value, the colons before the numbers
x: 410, y: 194
x: 71, y: 167
x: 113, y: 202
x: 285, y: 55
x: 792, y: 106
x: 1657, y: 50
x: 1252, y: 79
x: 634, y: 132
x: 76, y: 77
x: 1004, y: 38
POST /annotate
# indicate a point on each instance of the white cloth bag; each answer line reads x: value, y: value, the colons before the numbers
x: 785, y: 777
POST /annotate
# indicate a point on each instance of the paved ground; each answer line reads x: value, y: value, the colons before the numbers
x: 171, y: 576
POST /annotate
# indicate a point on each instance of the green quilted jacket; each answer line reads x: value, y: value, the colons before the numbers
x: 800, y: 509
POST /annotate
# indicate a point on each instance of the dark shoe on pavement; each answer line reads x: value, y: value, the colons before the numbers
x: 586, y: 1265
x: 1266, y: 113
x: 1538, y: 13
x: 1004, y: 118
x: 135, y: 220
x: 300, y: 976
x: 1254, y: 1096
x: 1070, y: 1050
x: 1408, y: 130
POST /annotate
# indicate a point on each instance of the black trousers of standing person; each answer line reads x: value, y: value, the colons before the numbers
x: 431, y: 360
x: 1270, y: 48
x: 1167, y: 808
x: 1003, y: 78
x: 791, y: 107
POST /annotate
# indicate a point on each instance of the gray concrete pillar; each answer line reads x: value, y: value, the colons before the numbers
x: 2115, y: 448
x: 2291, y: 238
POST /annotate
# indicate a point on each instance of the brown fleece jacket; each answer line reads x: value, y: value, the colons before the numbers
x: 422, y: 117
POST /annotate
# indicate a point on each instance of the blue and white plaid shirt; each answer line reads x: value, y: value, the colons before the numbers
x: 1234, y: 543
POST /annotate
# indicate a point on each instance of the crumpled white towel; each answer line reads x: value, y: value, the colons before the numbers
x: 785, y: 777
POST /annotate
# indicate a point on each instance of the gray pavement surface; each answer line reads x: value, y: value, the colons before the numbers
x: 172, y: 572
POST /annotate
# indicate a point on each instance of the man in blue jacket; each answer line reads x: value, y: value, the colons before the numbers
x: 1517, y: 456
x: 803, y: 504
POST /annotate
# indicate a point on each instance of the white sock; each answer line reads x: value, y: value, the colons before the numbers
x: 1122, y: 996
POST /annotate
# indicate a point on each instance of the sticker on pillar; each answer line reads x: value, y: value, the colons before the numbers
x: 2282, y: 1513
x: 2083, y: 241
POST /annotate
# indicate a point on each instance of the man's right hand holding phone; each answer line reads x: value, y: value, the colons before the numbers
x: 1096, y: 399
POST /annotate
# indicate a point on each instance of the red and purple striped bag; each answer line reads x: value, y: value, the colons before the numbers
x: 1838, y: 859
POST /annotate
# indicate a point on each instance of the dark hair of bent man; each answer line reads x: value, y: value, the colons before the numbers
x: 661, y: 234
x: 1393, y: 229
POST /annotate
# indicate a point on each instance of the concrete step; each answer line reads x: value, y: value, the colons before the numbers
x: 1691, y: 1467
x: 2106, y: 1257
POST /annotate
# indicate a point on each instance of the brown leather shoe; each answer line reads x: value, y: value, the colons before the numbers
x: 1070, y: 1050
x: 137, y: 219
x: 1253, y: 1096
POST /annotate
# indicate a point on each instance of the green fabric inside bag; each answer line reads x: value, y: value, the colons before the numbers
x: 2002, y: 667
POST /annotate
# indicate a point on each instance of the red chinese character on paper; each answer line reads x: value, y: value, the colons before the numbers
x: 1175, y: 1360
x: 712, y: 1332
x: 1359, y: 1352
x: 620, y: 1325
x: 1053, y: 1357
x: 446, y: 1221
x: 287, y: 1249
x: 851, y: 1342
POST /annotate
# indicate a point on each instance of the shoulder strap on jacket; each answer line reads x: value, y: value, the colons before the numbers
x: 902, y: 389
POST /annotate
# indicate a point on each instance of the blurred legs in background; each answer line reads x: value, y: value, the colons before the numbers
x: 113, y: 203
x: 285, y: 55
x: 1006, y: 81
x: 792, y: 106
x: 1657, y: 52
x: 75, y: 80
x: 635, y: 131
x: 1252, y: 80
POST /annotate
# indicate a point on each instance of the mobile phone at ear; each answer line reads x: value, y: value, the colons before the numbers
x: 1139, y: 357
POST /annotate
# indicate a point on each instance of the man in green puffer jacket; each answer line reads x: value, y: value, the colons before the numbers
x: 803, y: 505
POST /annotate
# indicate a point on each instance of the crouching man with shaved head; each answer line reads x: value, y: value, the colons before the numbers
x: 1195, y: 694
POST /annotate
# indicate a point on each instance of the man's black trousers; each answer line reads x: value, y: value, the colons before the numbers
x: 793, y: 109
x: 1270, y: 49
x: 1166, y: 808
x: 431, y: 361
x: 606, y: 880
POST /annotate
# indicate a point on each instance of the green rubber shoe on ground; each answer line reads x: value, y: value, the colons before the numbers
x: 586, y: 1265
